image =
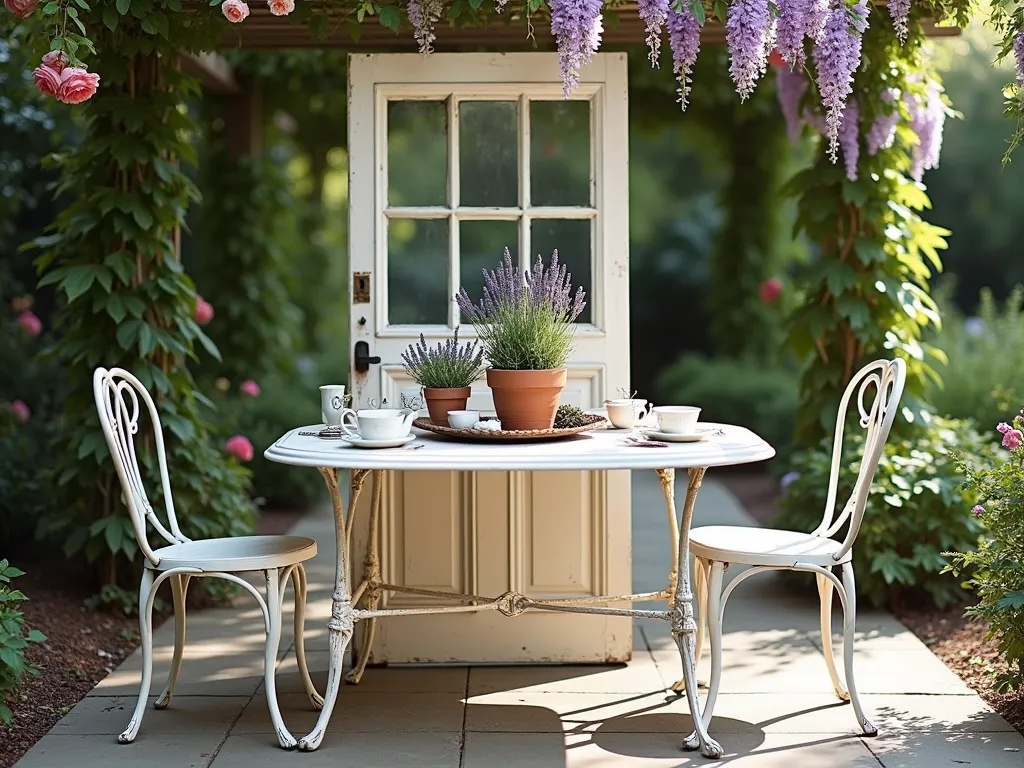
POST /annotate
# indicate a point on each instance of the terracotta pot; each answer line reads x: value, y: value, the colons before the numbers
x: 440, y: 401
x: 526, y: 399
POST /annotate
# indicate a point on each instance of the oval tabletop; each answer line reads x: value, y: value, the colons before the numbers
x: 601, y: 449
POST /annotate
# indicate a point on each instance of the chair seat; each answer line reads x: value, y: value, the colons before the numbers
x: 238, y: 553
x: 763, y: 546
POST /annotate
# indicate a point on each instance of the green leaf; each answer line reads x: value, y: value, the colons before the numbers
x: 110, y: 18
x: 113, y: 533
x: 35, y: 636
x: 391, y: 18
x: 123, y: 6
x: 697, y: 8
x: 147, y: 341
x: 79, y: 279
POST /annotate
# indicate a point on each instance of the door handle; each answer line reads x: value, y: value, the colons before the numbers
x: 362, y: 358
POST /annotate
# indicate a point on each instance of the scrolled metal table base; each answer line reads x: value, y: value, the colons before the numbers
x: 362, y: 605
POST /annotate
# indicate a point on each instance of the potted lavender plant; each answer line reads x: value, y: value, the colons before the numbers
x: 526, y: 323
x: 445, y: 373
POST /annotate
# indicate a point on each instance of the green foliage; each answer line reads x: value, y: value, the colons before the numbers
x: 13, y: 639
x: 745, y: 391
x: 112, y: 255
x: 867, y: 293
x: 568, y: 416
x: 986, y: 359
x: 916, y: 511
x: 448, y: 365
x: 996, y: 569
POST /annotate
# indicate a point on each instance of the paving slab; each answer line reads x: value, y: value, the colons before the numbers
x: 367, y: 750
x: 148, y: 751
x: 98, y: 715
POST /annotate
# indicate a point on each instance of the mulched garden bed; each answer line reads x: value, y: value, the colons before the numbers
x: 82, y: 647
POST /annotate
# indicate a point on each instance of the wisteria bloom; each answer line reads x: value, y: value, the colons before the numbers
x: 20, y: 411
x: 1012, y: 439
x: 249, y: 388
x: 684, y: 40
x: 837, y: 53
x: 655, y: 14
x: 849, y: 138
x: 750, y: 36
x: 1003, y: 428
x: 883, y: 129
x: 927, y: 119
x: 576, y: 26
x: 423, y: 15
x: 30, y: 323
x: 1018, y: 54
x: 799, y: 20
x: 499, y: 5
x: 790, y: 88
x: 978, y: 510
x: 239, y: 447
x: 899, y: 10
x: 787, y: 480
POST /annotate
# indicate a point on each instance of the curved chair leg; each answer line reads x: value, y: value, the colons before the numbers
x: 299, y: 588
x: 700, y: 586
x: 825, y: 587
x: 849, y: 626
x: 179, y: 588
x: 715, y: 610
x: 284, y: 738
x: 146, y: 594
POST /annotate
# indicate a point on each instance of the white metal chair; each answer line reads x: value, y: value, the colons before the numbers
x: 716, y: 547
x: 280, y: 558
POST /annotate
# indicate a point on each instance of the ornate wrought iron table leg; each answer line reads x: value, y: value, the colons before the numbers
x: 684, y: 627
x: 341, y: 625
x: 371, y: 580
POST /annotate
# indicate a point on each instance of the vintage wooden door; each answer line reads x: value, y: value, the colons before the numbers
x: 453, y: 157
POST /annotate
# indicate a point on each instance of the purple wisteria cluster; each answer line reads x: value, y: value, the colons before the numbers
x: 1018, y: 54
x: 883, y: 129
x: 799, y: 20
x: 424, y: 14
x: 899, y: 10
x: 654, y: 14
x: 576, y: 26
x: 927, y: 119
x: 684, y: 39
x: 750, y: 35
x: 837, y: 54
x: 790, y: 88
x: 849, y: 138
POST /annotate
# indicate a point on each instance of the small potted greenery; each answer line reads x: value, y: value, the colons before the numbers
x: 445, y: 372
x: 526, y: 323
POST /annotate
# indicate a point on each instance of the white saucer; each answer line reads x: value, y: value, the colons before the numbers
x: 393, y: 442
x: 674, y: 437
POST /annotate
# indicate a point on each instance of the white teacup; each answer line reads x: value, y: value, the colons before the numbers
x: 332, y: 404
x: 463, y: 419
x: 378, y: 424
x: 677, y: 419
x: 628, y: 412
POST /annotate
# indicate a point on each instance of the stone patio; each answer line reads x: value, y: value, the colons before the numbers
x: 776, y: 706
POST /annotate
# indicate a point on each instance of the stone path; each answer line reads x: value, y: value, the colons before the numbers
x: 776, y: 706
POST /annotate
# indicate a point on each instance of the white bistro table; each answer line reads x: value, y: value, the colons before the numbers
x: 598, y: 450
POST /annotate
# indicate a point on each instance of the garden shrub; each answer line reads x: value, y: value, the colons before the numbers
x: 761, y: 397
x: 917, y: 509
x: 996, y: 570
x: 992, y: 343
x: 13, y: 639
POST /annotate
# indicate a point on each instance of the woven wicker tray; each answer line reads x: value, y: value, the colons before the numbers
x: 593, y: 422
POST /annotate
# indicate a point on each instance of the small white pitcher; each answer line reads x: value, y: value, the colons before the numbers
x: 628, y: 412
x: 332, y: 404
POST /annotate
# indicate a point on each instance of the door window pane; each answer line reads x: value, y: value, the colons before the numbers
x: 417, y: 153
x: 488, y: 153
x: 560, y: 153
x: 482, y: 246
x: 418, y: 271
x: 571, y: 238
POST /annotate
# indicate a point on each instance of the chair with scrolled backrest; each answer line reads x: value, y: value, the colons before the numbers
x: 716, y: 547
x: 120, y: 398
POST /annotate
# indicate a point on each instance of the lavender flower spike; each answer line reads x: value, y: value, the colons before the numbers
x: 576, y: 26
x: 423, y: 15
x: 790, y: 88
x: 684, y: 39
x: 883, y: 130
x: 899, y: 10
x: 849, y: 138
x: 927, y: 119
x: 837, y: 53
x: 750, y: 35
x: 654, y: 13
x: 1018, y: 54
x: 798, y: 20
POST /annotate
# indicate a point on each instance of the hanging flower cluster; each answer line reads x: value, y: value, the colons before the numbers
x: 655, y: 15
x: 424, y: 14
x: 684, y: 39
x: 576, y: 26
x: 750, y: 35
x: 837, y: 55
x: 883, y: 130
x: 70, y: 85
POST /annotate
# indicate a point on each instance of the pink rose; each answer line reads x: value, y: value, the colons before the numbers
x: 250, y: 388
x: 77, y: 85
x: 1012, y: 439
x: 1003, y: 428
x: 281, y: 7
x: 978, y: 510
x: 20, y: 410
x: 57, y: 60
x: 30, y: 323
x: 770, y: 290
x: 21, y: 8
x: 47, y: 80
x: 775, y: 58
x: 234, y: 10
x: 240, y: 447
x: 204, y: 311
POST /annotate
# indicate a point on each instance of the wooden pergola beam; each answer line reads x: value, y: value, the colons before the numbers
x: 212, y: 71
